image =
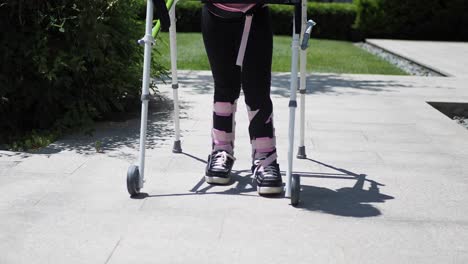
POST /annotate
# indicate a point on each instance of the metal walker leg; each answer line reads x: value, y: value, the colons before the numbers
x: 304, y: 29
x: 301, y: 154
x: 135, y: 174
x: 149, y: 43
x: 177, y: 148
x: 292, y: 97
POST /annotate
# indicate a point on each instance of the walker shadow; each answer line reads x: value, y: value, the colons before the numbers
x: 349, y: 201
x: 240, y: 179
x: 241, y: 183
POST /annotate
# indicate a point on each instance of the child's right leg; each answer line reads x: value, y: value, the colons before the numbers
x: 221, y: 38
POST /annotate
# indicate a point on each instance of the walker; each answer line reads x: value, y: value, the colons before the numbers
x: 301, y: 27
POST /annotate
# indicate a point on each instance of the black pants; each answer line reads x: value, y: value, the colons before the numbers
x: 222, y: 39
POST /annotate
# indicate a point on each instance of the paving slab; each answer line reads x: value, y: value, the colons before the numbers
x: 384, y: 182
x: 447, y: 58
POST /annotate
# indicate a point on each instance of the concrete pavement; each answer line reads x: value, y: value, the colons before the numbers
x: 447, y: 58
x: 385, y: 182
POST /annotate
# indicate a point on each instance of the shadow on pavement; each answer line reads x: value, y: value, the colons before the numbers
x: 349, y: 201
x: 316, y: 84
x: 122, y: 136
x: 113, y: 136
x: 241, y: 182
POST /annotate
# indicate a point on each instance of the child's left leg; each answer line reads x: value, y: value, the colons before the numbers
x: 256, y: 82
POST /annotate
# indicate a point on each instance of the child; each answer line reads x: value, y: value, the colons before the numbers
x: 239, y: 42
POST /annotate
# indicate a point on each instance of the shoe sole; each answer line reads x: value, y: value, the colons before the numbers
x: 216, y: 180
x: 269, y: 190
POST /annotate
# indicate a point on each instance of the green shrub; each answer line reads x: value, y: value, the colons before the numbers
x: 334, y: 20
x: 66, y: 63
x: 415, y: 19
x: 188, y: 14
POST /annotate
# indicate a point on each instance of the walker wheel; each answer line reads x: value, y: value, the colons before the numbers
x: 295, y: 189
x: 133, y: 178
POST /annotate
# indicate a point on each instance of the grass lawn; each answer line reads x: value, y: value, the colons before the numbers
x: 323, y: 56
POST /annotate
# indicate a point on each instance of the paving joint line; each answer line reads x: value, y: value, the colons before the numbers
x: 113, y: 251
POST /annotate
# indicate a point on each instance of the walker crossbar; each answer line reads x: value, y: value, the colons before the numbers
x: 170, y: 3
x: 279, y: 2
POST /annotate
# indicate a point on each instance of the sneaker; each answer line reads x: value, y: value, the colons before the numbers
x: 268, y: 177
x: 218, y: 167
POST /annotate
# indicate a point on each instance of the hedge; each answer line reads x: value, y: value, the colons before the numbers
x: 415, y: 19
x: 65, y: 64
x: 334, y: 20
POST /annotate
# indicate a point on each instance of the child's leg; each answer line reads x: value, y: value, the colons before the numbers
x: 256, y: 81
x: 221, y: 38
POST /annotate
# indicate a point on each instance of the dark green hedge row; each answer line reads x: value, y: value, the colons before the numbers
x: 66, y: 63
x: 414, y: 19
x: 334, y: 20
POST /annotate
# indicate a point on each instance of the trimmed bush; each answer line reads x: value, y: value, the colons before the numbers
x: 188, y: 14
x: 415, y: 19
x: 66, y: 63
x: 334, y: 20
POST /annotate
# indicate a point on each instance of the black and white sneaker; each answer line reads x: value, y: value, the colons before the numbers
x: 268, y: 176
x: 218, y: 167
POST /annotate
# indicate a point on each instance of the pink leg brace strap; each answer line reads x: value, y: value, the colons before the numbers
x: 224, y: 108
x: 245, y: 37
x: 270, y: 159
x: 264, y: 144
x: 252, y: 114
x: 222, y: 140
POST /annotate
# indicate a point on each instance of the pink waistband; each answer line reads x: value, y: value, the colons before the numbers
x: 234, y: 7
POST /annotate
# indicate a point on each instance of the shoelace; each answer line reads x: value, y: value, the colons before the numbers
x: 267, y: 166
x: 270, y: 171
x: 219, y: 160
